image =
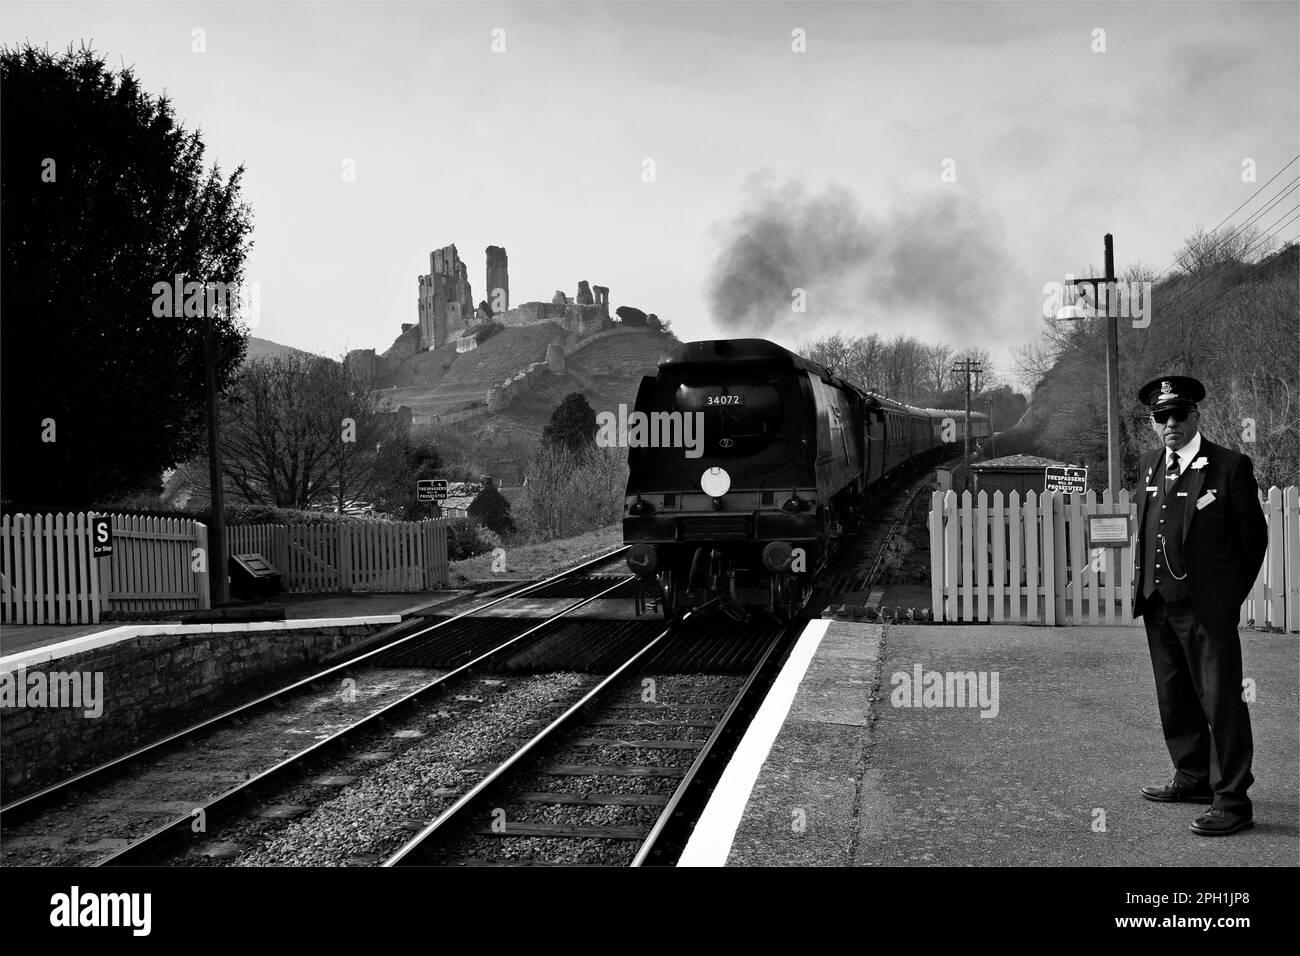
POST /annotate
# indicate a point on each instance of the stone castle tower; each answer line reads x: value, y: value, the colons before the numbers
x: 446, y: 302
x: 498, y: 279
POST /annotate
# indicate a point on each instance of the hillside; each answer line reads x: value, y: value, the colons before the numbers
x: 1232, y: 325
x: 265, y: 348
x: 440, y: 381
x: 608, y: 372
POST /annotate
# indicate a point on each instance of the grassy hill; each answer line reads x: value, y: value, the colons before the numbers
x: 608, y: 372
x: 441, y: 381
x: 265, y: 348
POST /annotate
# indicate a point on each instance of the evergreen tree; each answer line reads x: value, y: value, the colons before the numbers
x: 491, y: 509
x: 573, y: 424
x: 106, y: 202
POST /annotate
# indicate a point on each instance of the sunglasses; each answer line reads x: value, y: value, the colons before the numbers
x: 1178, y: 416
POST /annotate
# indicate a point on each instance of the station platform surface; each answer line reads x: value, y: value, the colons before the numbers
x: 840, y: 776
x: 18, y: 638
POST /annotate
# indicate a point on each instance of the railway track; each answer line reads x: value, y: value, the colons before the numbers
x: 469, y: 647
x: 858, y: 568
x: 618, y: 778
x: 608, y: 781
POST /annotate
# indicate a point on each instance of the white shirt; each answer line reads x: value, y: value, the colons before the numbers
x: 1186, y: 455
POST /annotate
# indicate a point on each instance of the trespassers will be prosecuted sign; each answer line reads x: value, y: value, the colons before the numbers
x: 1071, y: 480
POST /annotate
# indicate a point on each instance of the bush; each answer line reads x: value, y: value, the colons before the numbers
x: 491, y: 508
x: 465, y: 539
x: 572, y: 425
x: 488, y: 538
x: 569, y: 493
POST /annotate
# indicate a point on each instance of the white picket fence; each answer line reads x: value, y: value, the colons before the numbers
x: 996, y: 559
x: 49, y: 576
x: 374, y: 556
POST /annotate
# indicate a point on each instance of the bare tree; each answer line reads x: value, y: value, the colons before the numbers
x: 865, y: 354
x: 1205, y: 250
x: 366, y: 446
x: 938, y: 366
x: 299, y: 429
x: 830, y: 351
x: 570, y: 492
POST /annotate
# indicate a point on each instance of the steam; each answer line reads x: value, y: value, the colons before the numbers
x: 934, y: 258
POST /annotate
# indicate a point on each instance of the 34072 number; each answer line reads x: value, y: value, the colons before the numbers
x: 712, y: 400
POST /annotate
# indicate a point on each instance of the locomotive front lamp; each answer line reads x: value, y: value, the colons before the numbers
x: 715, y: 482
x: 640, y: 508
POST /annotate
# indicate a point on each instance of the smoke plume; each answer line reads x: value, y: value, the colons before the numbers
x: 933, y: 258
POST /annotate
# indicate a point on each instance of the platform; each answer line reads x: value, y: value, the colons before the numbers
x: 836, y: 775
x: 21, y: 641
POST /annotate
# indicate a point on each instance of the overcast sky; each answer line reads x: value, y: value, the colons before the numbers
x: 772, y: 168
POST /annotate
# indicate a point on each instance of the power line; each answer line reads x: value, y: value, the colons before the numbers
x: 1294, y: 213
x: 1222, y: 241
x: 1233, y: 213
x: 1196, y: 282
x: 1199, y: 284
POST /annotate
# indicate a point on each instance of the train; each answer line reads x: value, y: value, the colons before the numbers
x: 749, y: 464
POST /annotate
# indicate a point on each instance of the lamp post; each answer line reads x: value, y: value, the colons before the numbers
x: 1112, y: 359
x: 967, y: 367
x: 219, y: 574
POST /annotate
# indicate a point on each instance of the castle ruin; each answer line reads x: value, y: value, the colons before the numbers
x: 448, y: 316
x: 498, y: 279
x: 449, y: 323
x: 446, y: 305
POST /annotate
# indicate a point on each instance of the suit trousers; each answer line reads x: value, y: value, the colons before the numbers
x: 1198, y: 687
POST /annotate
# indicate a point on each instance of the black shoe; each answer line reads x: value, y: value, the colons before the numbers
x: 1216, y: 822
x: 1176, y: 792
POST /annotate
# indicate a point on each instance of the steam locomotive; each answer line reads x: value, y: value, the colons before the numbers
x: 748, y: 464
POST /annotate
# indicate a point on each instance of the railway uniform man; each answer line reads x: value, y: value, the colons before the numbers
x: 1201, y: 541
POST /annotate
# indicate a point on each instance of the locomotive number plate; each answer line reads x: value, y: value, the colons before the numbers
x: 713, y: 400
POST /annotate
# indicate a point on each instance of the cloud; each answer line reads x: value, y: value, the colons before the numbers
x: 939, y: 258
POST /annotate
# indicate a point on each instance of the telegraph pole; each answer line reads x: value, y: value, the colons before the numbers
x: 1109, y: 292
x: 967, y: 366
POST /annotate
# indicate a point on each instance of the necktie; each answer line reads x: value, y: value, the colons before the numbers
x: 1171, y: 471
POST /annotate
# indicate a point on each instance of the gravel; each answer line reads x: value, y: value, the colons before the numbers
x: 695, y: 697
x: 96, y: 824
x: 375, y: 815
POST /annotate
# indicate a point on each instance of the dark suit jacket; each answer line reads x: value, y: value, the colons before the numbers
x: 1223, y: 543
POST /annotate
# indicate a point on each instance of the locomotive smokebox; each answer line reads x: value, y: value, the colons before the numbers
x: 642, y: 559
